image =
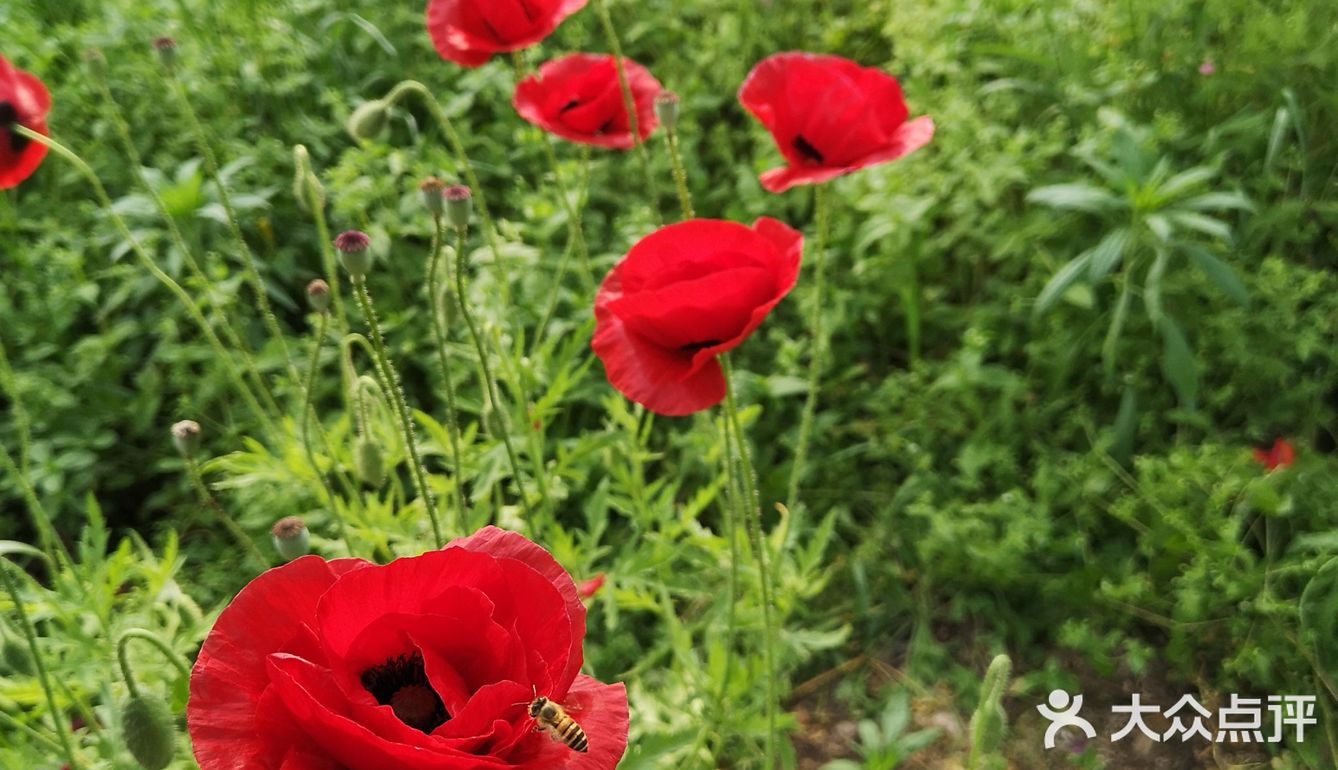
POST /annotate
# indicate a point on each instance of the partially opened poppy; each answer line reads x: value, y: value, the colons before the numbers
x: 829, y: 116
x: 427, y: 662
x: 682, y: 296
x: 24, y: 101
x: 1280, y: 455
x: 469, y: 32
x: 578, y: 98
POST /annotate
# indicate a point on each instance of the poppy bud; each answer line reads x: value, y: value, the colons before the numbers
x: 459, y: 205
x: 186, y: 437
x: 431, y: 189
x: 368, y: 120
x: 14, y: 656
x: 167, y: 52
x: 96, y: 62
x: 291, y: 538
x: 666, y: 109
x: 147, y: 724
x: 305, y: 185
x: 368, y: 462
x: 353, y: 251
x: 318, y: 295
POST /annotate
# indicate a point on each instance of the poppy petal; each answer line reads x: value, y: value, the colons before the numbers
x: 578, y: 98
x: 601, y: 711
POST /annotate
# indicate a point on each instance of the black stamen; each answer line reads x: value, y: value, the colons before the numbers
x: 608, y: 126
x: 571, y: 105
x: 402, y: 684
x: 693, y: 347
x: 8, y: 116
x: 807, y: 150
x: 525, y: 9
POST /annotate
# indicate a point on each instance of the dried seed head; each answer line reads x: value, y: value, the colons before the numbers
x: 291, y: 538
x: 431, y: 189
x: 459, y: 205
x: 666, y: 109
x: 354, y: 254
x: 318, y: 295
x: 186, y: 437
x: 368, y: 120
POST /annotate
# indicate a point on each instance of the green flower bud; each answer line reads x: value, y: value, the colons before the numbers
x: 291, y: 538
x: 431, y: 189
x: 150, y: 730
x: 186, y: 437
x: 354, y: 252
x: 368, y: 120
x: 459, y: 205
x: 369, y: 462
x: 306, y: 187
x: 318, y: 295
x: 666, y: 109
x: 167, y: 52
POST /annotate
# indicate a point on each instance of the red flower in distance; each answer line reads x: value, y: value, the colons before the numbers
x: 588, y: 588
x: 577, y: 97
x: 23, y: 101
x: 469, y: 32
x: 426, y: 663
x: 829, y: 117
x: 1280, y: 455
x: 682, y: 296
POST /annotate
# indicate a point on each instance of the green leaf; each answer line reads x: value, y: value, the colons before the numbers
x: 1202, y: 223
x: 1060, y: 283
x: 1107, y: 254
x: 1125, y: 428
x: 1275, y: 137
x: 1178, y: 363
x: 1319, y: 617
x: 1184, y: 181
x: 1116, y: 328
x: 1159, y: 227
x: 1215, y: 201
x: 1077, y: 197
x: 1221, y: 274
x: 1152, y: 287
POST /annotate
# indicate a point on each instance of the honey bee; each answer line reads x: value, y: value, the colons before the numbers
x: 550, y: 716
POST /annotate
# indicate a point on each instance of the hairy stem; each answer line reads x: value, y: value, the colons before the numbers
x: 123, y: 657
x: 817, y: 348
x: 680, y: 175
x: 439, y: 330
x: 629, y: 103
x: 238, y: 534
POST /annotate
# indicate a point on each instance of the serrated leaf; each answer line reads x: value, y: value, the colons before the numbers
x: 1178, y: 363
x: 1076, y: 197
x: 1319, y: 617
x: 1107, y: 254
x: 1060, y: 283
x: 1221, y: 274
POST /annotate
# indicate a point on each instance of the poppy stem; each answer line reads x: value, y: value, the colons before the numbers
x: 680, y: 175
x: 52, y: 548
x: 192, y: 309
x: 390, y: 383
x: 439, y: 327
x: 816, y: 350
x: 316, y: 202
x: 490, y: 382
x: 733, y: 504
x: 22, y: 424
x: 629, y: 104
x: 541, y: 329
x: 43, y: 676
x: 123, y: 657
x: 308, y: 408
x: 238, y: 534
x: 752, y: 518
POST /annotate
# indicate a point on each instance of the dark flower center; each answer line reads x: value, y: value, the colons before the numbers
x: 693, y: 347
x: 9, y: 116
x: 807, y: 150
x: 401, y: 683
x: 571, y: 105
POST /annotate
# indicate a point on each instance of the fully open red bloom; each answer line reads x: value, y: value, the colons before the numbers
x: 426, y: 663
x: 682, y: 296
x: 23, y: 101
x: 469, y: 32
x: 577, y: 97
x: 829, y: 116
x: 1280, y: 455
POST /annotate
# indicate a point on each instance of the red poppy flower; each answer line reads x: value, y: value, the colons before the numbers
x: 577, y: 97
x: 1280, y: 455
x: 829, y: 116
x: 469, y: 32
x: 23, y: 101
x: 426, y: 663
x: 682, y: 296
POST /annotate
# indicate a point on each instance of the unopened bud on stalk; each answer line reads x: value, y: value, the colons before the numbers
x: 186, y: 437
x: 459, y: 205
x: 368, y: 120
x: 291, y: 538
x: 149, y: 729
x: 96, y: 62
x: 431, y: 189
x: 368, y: 462
x: 318, y: 295
x: 167, y: 51
x: 306, y: 187
x: 354, y: 253
x: 666, y: 109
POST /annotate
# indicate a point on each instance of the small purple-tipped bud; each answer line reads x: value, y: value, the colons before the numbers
x: 459, y: 205
x: 354, y: 251
x: 666, y: 109
x: 368, y: 120
x: 431, y: 189
x: 167, y: 51
x: 291, y: 538
x: 318, y: 294
x: 186, y: 437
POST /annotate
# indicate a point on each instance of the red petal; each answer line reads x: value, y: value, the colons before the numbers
x: 601, y: 711
x: 469, y: 32
x: 31, y: 103
x: 590, y: 587
x: 659, y: 380
x: 577, y: 97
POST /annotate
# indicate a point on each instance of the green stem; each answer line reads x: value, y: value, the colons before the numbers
x: 541, y: 329
x: 123, y: 657
x: 439, y: 327
x: 51, y: 546
x: 234, y: 224
x: 733, y: 503
x: 390, y: 383
x: 308, y: 408
x: 488, y: 380
x: 22, y: 425
x: 57, y: 714
x: 10, y: 721
x: 680, y: 175
x: 629, y: 104
x: 166, y: 280
x: 316, y: 202
x: 753, y: 522
x: 816, y: 349
x: 238, y: 534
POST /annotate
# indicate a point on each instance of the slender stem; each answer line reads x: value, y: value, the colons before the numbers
x: 816, y: 349
x: 541, y: 329
x: 439, y: 327
x: 629, y: 104
x: 308, y: 389
x: 488, y: 380
x: 10, y: 721
x: 680, y: 175
x: 51, y: 546
x: 57, y: 714
x: 238, y: 534
x: 123, y: 657
x: 753, y: 522
x: 316, y: 202
x: 192, y: 309
x: 22, y: 425
x: 733, y: 503
x: 390, y: 383
x: 234, y: 224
